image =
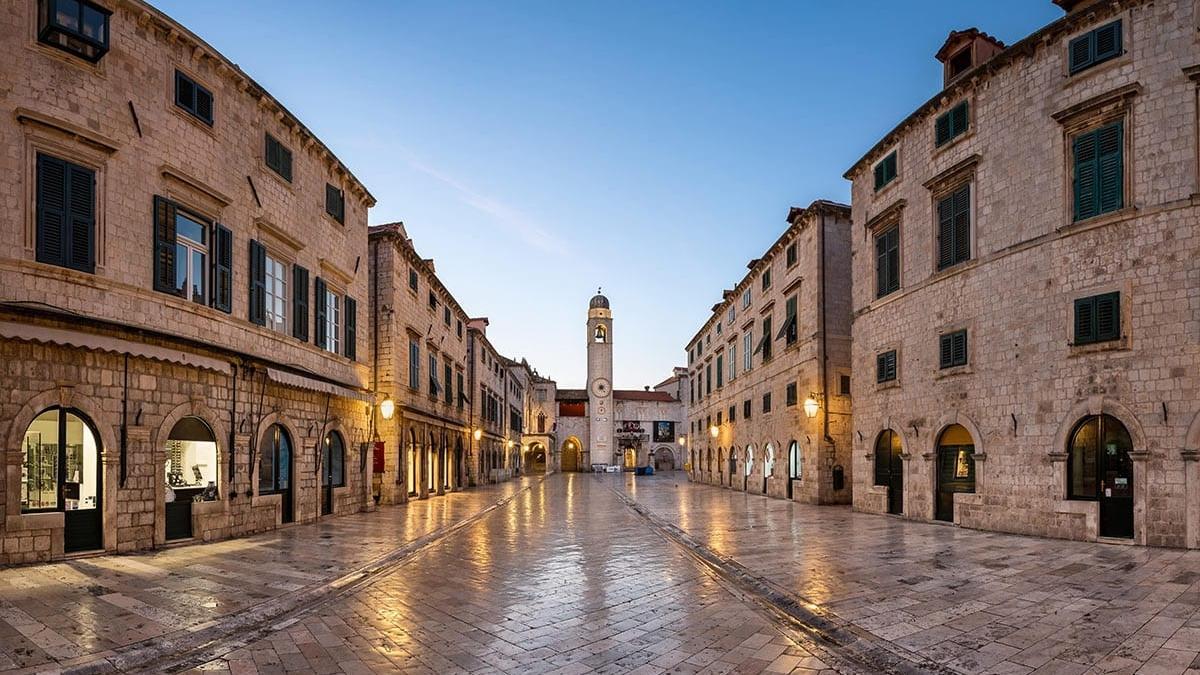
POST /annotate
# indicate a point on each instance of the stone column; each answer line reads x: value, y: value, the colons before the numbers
x: 1141, y: 494
x: 1191, y: 477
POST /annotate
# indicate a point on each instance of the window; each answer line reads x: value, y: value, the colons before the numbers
x: 335, y: 203
x: 746, y: 409
x: 746, y: 298
x: 193, y: 98
x: 885, y: 366
x: 960, y: 62
x: 275, y: 462
x: 334, y: 459
x: 719, y: 325
x: 708, y: 378
x: 448, y: 372
x: 66, y: 214
x: 414, y: 364
x: 433, y: 302
x: 790, y: 394
x: 720, y: 370
x: 333, y: 322
x: 887, y: 262
x: 844, y: 385
x: 766, y: 402
x: 1098, y: 318
x: 718, y: 419
x: 601, y: 334
x: 765, y: 344
x: 731, y: 315
x: 790, y: 332
x: 954, y: 227
x: 732, y: 413
x: 412, y: 279
x: 691, y: 391
x: 766, y: 278
x: 458, y: 328
x: 299, y: 303
x: 434, y: 387
x: 791, y: 254
x: 446, y: 315
x: 952, y: 123
x: 275, y: 291
x: 732, y: 360
x: 191, y: 257
x: 1099, y: 171
x: 1094, y: 47
x: 61, y: 467
x: 279, y: 158
x: 952, y: 349
x: 75, y: 26
x: 747, y: 354
x: 885, y: 171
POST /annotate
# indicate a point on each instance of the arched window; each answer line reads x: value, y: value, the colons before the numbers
x: 411, y: 465
x: 541, y: 423
x: 601, y: 333
x: 275, y: 461
x: 749, y: 459
x: 191, y: 457
x: 769, y: 460
x: 61, y: 468
x: 1099, y: 458
x: 334, y: 460
x: 795, y: 461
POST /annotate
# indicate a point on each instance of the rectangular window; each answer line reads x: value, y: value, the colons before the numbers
x: 746, y: 409
x: 719, y: 325
x: 75, y: 26
x: 885, y: 171
x: 333, y: 322
x: 731, y: 315
x: 1094, y: 47
x: 766, y: 402
x: 1099, y: 171
x: 954, y: 227
x: 720, y: 370
x: 335, y: 203
x: 790, y: 394
x: 746, y: 298
x: 791, y: 254
x: 434, y: 387
x: 766, y: 278
x: 433, y: 302
x: 708, y: 379
x: 747, y: 350
x: 275, y: 288
x: 414, y: 364
x: 1098, y: 318
x: 191, y: 257
x: 448, y: 373
x: 446, y: 315
x: 193, y: 98
x: 732, y: 413
x: 458, y: 328
x: 952, y: 123
x: 732, y: 361
x: 887, y: 262
x: 66, y: 214
x: 766, y: 339
x: 844, y: 385
x: 278, y: 158
x: 412, y: 279
x: 791, y: 331
x: 885, y: 366
x: 952, y: 349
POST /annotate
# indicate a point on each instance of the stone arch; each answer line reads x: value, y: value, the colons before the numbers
x: 946, y: 421
x: 663, y: 453
x: 298, y: 444
x: 1103, y: 405
x: 158, y: 438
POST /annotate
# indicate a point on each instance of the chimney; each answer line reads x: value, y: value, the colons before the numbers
x: 647, y: 388
x: 963, y: 50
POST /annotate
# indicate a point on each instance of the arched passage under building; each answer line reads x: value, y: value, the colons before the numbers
x: 535, y: 459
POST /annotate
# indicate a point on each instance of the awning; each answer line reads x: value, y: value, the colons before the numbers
x: 105, y: 343
x: 313, y: 384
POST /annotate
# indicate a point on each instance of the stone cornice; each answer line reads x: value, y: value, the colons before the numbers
x: 953, y: 174
x: 1118, y: 96
x: 888, y: 215
x: 27, y: 116
x: 183, y: 177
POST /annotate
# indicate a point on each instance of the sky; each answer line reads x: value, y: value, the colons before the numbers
x: 538, y: 149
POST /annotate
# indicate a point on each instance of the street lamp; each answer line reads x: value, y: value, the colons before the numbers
x: 714, y: 431
x: 387, y: 408
x: 811, y: 406
x: 683, y: 441
x: 478, y: 434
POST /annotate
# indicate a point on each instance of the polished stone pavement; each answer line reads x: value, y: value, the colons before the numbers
x: 613, y: 574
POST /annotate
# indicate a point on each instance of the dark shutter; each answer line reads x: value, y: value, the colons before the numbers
x: 885, y: 366
x: 1108, y: 317
x: 164, y: 247
x: 1107, y: 42
x: 959, y: 119
x: 204, y: 104
x: 185, y: 92
x: 1086, y: 170
x: 299, y: 303
x: 962, y: 224
x: 286, y: 163
x: 946, y: 232
x: 1085, y: 321
x: 258, y: 283
x: 319, y: 327
x: 942, y: 129
x: 350, y: 340
x: 1079, y: 53
x: 953, y: 349
x: 946, y: 351
x: 335, y: 203
x: 879, y: 173
x: 1111, y: 171
x: 887, y: 262
x: 51, y: 210
x: 81, y: 220
x: 221, y: 254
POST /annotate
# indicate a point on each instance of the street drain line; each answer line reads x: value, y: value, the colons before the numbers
x: 846, y: 647
x: 192, y: 647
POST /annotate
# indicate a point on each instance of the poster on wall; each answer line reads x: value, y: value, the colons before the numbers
x: 664, y: 432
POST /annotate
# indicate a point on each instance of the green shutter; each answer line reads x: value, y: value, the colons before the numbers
x: 164, y: 246
x: 1108, y: 317
x: 350, y: 323
x: 945, y: 232
x: 1110, y: 142
x: 258, y: 283
x: 299, y: 303
x: 1085, y: 321
x: 1086, y: 155
x: 221, y: 254
x: 942, y: 133
x: 319, y: 327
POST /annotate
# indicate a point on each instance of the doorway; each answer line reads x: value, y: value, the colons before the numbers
x: 333, y: 469
x: 664, y: 460
x: 275, y: 469
x: 61, y: 472
x: 889, y: 469
x: 955, y: 469
x: 191, y: 474
x: 1099, y: 468
x: 570, y: 455
x: 794, y: 466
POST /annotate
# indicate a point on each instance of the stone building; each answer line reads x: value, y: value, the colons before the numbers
x: 541, y: 429
x: 770, y: 369
x: 179, y: 329
x: 600, y: 427
x: 1024, y: 285
x: 420, y: 348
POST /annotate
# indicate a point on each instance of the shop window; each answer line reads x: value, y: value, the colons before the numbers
x: 334, y: 460
x: 74, y: 26
x: 66, y: 214
x: 60, y: 470
x: 795, y: 461
x: 749, y: 459
x: 1099, y: 447
x: 769, y: 461
x: 275, y: 461
x: 193, y: 98
x: 278, y: 158
x: 191, y: 465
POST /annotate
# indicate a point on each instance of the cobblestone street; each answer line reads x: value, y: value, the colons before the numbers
x: 562, y: 576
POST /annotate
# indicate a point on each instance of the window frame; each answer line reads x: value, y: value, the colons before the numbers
x: 1094, y: 304
x: 947, y: 350
x: 883, y: 177
x: 1089, y: 39
x: 192, y: 108
x: 284, y: 325
x: 890, y: 259
x: 283, y: 164
x: 956, y: 122
x: 192, y: 248
x: 948, y: 196
x: 48, y: 27
x: 887, y: 366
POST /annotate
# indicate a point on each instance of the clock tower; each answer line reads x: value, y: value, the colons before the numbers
x: 599, y: 382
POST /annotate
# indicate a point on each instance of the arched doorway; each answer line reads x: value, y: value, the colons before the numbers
x: 1099, y: 468
x: 768, y: 465
x: 570, y: 454
x: 431, y: 465
x: 732, y: 471
x: 333, y: 469
x: 795, y: 465
x: 664, y: 460
x: 955, y: 468
x: 709, y: 467
x: 275, y: 468
x: 412, y: 463
x: 535, y: 458
x: 458, y: 463
x: 61, y: 472
x: 630, y: 459
x: 191, y: 471
x: 749, y: 468
x: 889, y: 469
x: 721, y: 466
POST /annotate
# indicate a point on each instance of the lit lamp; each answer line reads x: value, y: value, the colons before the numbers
x: 683, y: 440
x: 714, y: 431
x: 387, y: 408
x: 478, y: 434
x: 811, y: 406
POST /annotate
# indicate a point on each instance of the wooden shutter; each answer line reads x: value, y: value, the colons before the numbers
x: 204, y: 104
x: 350, y: 340
x: 1079, y: 53
x: 285, y: 164
x: 1108, y: 317
x: 164, y: 247
x: 80, y: 234
x: 1086, y: 155
x: 941, y: 133
x: 335, y: 203
x: 1106, y: 42
x: 299, y: 303
x: 1085, y: 321
x: 221, y: 254
x: 946, y: 232
x: 319, y: 327
x: 185, y: 92
x: 51, y: 210
x: 959, y: 119
x: 946, y: 351
x: 879, y: 176
x: 962, y: 224
x: 258, y: 283
x: 893, y: 260
x: 1109, y: 142
x: 958, y: 348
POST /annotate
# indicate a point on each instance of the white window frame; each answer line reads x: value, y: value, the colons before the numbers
x: 747, y: 297
x: 276, y: 291
x: 732, y: 360
x: 747, y: 351
x: 732, y: 315
x: 192, y: 247
x: 333, y: 322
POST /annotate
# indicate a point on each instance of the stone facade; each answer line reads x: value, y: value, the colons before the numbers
x: 779, y: 450
x: 85, y: 335
x: 1029, y: 379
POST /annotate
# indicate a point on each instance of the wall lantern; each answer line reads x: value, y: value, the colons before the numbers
x: 683, y: 440
x: 478, y: 434
x: 714, y: 431
x: 811, y: 406
x: 387, y: 408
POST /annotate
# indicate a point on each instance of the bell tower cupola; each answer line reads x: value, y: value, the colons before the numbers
x: 599, y: 380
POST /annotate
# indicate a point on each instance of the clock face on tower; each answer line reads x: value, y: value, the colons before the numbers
x: 600, y: 387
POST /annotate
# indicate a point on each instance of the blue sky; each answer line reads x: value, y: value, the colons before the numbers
x: 539, y: 149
